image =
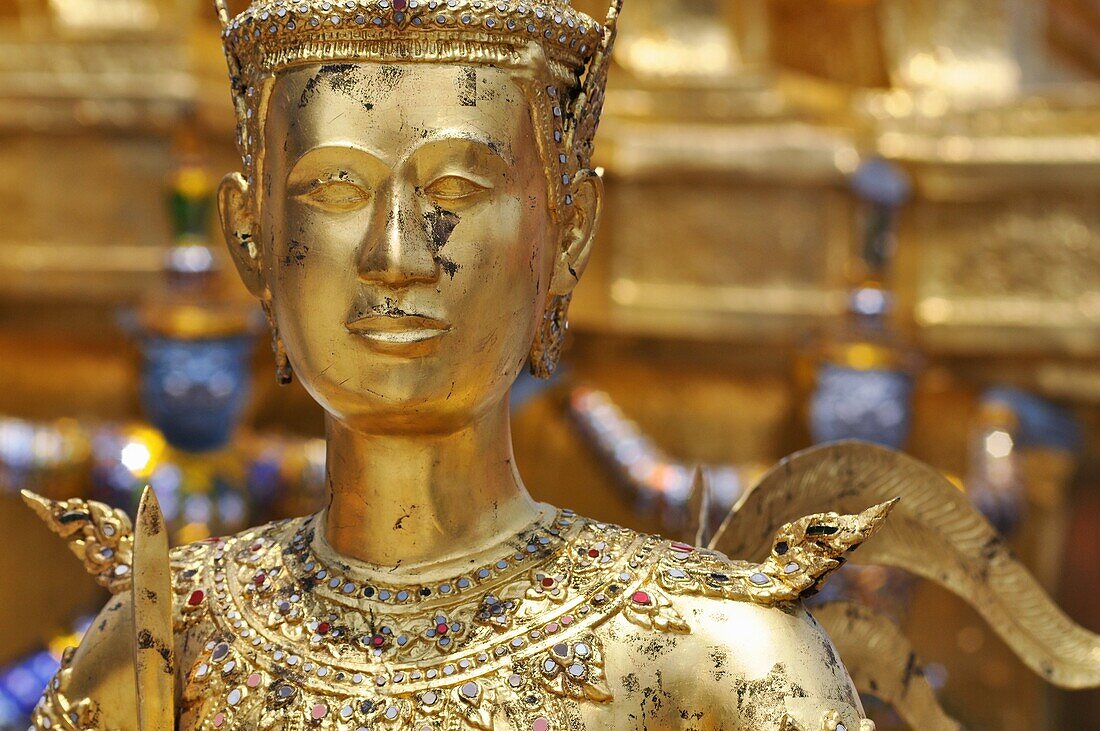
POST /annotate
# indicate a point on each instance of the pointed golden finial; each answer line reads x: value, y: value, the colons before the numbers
x: 97, y: 534
x: 154, y: 650
x: 699, y: 507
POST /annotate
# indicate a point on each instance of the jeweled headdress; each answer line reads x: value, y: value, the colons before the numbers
x: 272, y: 35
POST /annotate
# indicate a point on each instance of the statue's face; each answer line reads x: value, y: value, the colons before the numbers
x: 405, y: 236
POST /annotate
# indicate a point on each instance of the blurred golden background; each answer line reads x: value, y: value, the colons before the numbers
x: 826, y: 219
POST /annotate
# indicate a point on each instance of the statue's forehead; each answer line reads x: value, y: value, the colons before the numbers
x: 367, y: 95
x: 381, y: 79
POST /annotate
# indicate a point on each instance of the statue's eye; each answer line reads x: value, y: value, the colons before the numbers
x: 453, y: 188
x: 338, y: 195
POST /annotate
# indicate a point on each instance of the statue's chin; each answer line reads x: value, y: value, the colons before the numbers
x: 431, y: 412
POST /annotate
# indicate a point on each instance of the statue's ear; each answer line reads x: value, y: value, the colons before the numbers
x: 239, y: 226
x: 582, y: 221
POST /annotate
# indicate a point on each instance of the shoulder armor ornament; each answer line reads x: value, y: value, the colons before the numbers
x: 101, y: 536
x: 803, y: 555
x: 808, y: 550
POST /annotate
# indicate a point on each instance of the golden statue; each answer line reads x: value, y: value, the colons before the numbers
x: 416, y: 207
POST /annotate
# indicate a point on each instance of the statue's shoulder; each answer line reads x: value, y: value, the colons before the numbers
x: 735, y: 632
x: 744, y: 644
x: 757, y: 666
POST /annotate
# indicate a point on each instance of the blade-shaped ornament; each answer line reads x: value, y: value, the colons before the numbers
x: 154, y: 656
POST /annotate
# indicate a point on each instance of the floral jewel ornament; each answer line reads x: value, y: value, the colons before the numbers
x: 575, y: 669
x: 651, y: 609
x: 496, y: 613
x: 443, y: 631
x: 552, y: 586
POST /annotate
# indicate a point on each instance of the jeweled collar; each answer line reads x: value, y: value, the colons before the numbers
x: 316, y: 564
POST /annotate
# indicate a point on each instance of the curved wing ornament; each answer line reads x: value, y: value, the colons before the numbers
x: 934, y: 532
x: 882, y: 662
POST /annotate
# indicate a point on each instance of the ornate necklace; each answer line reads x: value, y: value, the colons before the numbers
x: 299, y: 633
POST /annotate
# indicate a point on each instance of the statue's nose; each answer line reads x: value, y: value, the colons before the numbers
x: 396, y: 250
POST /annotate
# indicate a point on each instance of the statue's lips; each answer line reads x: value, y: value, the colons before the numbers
x: 398, y: 329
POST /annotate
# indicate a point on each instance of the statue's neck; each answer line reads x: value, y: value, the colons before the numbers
x: 412, y: 499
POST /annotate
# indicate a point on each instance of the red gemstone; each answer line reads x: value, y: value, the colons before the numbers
x: 640, y: 597
x: 441, y: 628
x: 547, y: 581
x: 593, y: 553
x: 196, y: 598
x: 377, y: 640
x: 682, y: 547
x: 400, y: 4
x: 323, y: 628
x: 259, y: 579
x: 256, y: 546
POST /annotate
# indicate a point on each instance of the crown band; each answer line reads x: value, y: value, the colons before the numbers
x: 262, y: 35
x: 435, y: 48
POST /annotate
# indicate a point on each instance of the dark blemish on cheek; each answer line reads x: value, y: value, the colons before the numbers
x: 440, y: 224
x: 296, y: 253
x: 467, y: 87
x: 447, y: 265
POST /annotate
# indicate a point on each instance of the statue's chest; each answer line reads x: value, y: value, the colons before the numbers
x: 293, y: 642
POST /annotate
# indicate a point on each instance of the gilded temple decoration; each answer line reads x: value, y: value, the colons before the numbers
x: 416, y: 205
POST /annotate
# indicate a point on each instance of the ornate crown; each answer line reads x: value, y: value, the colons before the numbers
x: 276, y: 34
